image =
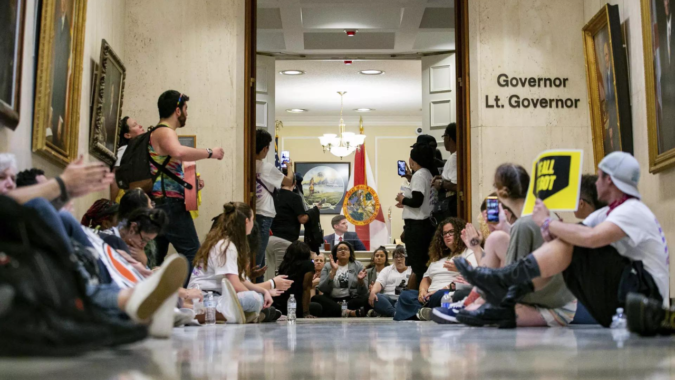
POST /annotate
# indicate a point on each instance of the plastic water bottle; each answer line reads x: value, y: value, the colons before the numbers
x: 291, y: 306
x: 619, y: 320
x: 344, y: 309
x: 210, y: 304
x: 446, y: 300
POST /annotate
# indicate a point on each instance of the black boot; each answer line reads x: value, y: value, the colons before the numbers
x: 496, y: 282
x: 648, y: 317
x: 488, y: 314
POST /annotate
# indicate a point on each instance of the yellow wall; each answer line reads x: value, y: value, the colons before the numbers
x: 384, y: 146
x: 105, y: 19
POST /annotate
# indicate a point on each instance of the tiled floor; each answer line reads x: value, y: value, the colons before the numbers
x: 367, y: 349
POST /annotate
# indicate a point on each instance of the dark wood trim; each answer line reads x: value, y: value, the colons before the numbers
x: 463, y: 109
x: 249, y: 102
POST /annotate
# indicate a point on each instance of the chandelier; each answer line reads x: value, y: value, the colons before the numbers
x: 344, y: 143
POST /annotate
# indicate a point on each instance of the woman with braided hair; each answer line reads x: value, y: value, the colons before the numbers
x: 102, y: 215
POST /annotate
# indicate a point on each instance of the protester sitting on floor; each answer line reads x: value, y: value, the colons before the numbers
x: 225, y: 255
x: 131, y: 201
x: 298, y: 266
x: 440, y: 278
x: 7, y: 172
x: 319, y: 262
x: 391, y: 281
x: 30, y: 177
x: 552, y: 304
x: 102, y: 215
x: 618, y: 249
x: 156, y: 294
x: 342, y: 280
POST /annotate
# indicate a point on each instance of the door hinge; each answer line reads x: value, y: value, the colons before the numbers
x: 252, y: 81
x: 459, y: 81
x: 461, y: 195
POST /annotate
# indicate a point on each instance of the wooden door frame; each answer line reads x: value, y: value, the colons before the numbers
x: 249, y: 101
x: 463, y: 102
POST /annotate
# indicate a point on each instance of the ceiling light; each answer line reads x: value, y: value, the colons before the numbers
x: 364, y: 109
x: 351, y: 33
x: 292, y: 72
x: 371, y: 72
x: 348, y: 63
x: 296, y: 110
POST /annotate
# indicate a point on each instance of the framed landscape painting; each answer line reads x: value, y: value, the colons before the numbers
x: 607, y: 79
x: 11, y: 42
x: 108, y: 100
x: 58, y: 81
x: 659, y: 55
x: 325, y: 184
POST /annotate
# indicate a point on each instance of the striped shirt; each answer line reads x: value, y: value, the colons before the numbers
x: 164, y: 184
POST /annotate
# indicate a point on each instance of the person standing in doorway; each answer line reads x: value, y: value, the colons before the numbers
x: 446, y: 183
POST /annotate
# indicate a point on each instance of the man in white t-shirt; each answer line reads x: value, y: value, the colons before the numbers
x: 618, y: 249
x: 446, y: 183
x: 268, y: 179
x: 391, y: 281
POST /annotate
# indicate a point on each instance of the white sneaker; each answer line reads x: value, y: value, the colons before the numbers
x: 229, y: 306
x: 182, y: 317
x: 148, y: 296
x: 162, y: 321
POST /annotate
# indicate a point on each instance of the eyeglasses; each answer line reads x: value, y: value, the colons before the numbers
x: 343, y: 249
x: 448, y: 233
x: 179, y: 99
x: 399, y: 256
x: 144, y: 240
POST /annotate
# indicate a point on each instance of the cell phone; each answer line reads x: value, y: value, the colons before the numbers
x: 401, y: 167
x: 493, y: 210
x: 285, y: 157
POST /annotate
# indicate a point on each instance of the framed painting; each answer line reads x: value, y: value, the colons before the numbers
x: 188, y: 140
x: 325, y: 184
x: 11, y: 46
x: 607, y: 80
x: 659, y: 55
x: 108, y: 101
x: 58, y: 81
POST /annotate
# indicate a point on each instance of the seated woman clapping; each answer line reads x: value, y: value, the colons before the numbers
x: 342, y: 280
x: 391, y: 281
x: 441, y: 277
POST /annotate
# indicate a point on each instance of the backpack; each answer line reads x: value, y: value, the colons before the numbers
x: 134, y: 170
x: 44, y: 307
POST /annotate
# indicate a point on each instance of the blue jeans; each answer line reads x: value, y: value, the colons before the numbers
x: 180, y: 232
x: 385, y: 305
x: 408, y: 305
x: 264, y: 225
x: 103, y: 296
x: 251, y: 302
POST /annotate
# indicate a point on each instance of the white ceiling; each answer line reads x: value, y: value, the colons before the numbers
x: 385, y: 27
x: 398, y: 92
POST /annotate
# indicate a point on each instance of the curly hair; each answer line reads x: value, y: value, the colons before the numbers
x: 438, y: 249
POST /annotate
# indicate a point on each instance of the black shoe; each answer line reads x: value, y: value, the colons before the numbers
x: 517, y: 293
x: 648, y: 317
x: 489, y: 315
x: 360, y: 312
x: 267, y: 315
x: 495, y: 283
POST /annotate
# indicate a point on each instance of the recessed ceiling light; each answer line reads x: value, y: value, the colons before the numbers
x: 296, y: 110
x: 371, y: 72
x: 364, y: 109
x: 292, y: 72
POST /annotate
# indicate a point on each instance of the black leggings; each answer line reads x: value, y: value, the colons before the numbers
x: 332, y: 308
x: 418, y: 236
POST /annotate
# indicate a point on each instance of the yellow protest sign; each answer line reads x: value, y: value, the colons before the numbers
x: 555, y: 179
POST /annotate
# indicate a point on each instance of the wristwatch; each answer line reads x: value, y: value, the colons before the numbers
x: 210, y: 152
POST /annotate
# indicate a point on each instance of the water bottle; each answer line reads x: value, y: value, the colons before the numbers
x: 291, y: 306
x: 619, y: 320
x: 446, y: 300
x: 197, y: 305
x: 344, y: 309
x: 210, y: 304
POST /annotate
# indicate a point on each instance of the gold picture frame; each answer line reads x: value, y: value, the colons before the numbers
x: 108, y: 102
x: 58, y: 81
x: 188, y: 140
x: 607, y: 81
x: 661, y: 148
x: 13, y: 16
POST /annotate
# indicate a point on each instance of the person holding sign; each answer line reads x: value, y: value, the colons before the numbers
x: 617, y: 250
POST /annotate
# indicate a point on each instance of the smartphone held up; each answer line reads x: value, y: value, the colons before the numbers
x: 493, y: 210
x: 285, y: 158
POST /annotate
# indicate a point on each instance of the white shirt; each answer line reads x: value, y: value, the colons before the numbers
x: 120, y: 153
x: 644, y: 239
x: 421, y: 181
x: 337, y: 239
x: 450, y: 169
x: 390, y: 278
x: 441, y: 277
x: 341, y: 283
x: 271, y: 177
x: 668, y: 23
x: 219, y: 265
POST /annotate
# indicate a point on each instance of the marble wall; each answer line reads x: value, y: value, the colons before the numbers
x: 656, y: 189
x: 105, y: 19
x: 195, y: 48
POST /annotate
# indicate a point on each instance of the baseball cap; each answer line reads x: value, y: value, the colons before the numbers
x: 624, y: 170
x: 425, y: 139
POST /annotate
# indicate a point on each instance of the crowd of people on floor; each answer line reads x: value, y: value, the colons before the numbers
x: 525, y: 270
